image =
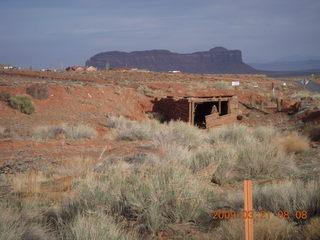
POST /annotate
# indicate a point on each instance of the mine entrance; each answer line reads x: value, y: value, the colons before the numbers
x: 224, y: 108
x: 203, y: 109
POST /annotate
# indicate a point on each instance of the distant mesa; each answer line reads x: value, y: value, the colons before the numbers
x: 218, y: 49
x: 216, y: 60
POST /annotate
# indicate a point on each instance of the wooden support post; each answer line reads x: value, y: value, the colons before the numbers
x: 278, y: 105
x: 219, y: 106
x: 192, y: 113
x: 248, y: 209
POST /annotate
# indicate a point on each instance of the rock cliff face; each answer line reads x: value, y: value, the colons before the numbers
x: 216, y: 60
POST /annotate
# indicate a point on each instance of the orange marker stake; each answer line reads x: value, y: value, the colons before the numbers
x: 248, y: 224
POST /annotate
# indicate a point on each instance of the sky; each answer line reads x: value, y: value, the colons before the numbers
x: 59, y: 33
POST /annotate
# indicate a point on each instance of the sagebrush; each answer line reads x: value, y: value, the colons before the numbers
x: 22, y: 103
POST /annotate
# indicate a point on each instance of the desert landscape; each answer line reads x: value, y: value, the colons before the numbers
x: 159, y: 120
x: 135, y: 154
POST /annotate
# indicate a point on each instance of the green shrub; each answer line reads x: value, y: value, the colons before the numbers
x: 22, y: 103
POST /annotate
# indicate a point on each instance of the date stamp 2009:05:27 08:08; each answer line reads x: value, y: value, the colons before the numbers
x: 261, y: 215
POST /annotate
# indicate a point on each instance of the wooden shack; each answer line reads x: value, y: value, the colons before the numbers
x: 204, y: 111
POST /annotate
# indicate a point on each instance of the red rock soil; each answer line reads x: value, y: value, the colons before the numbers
x: 87, y: 98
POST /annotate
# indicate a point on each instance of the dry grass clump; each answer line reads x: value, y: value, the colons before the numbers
x: 304, y: 94
x: 254, y: 161
x: 10, y: 227
x: 225, y: 156
x: 237, y: 152
x: 74, y: 132
x: 97, y: 226
x: 247, y: 153
x: 313, y: 131
x: 133, y: 196
x: 150, y: 197
x: 130, y: 130
x: 39, y: 91
x: 311, y: 231
x: 258, y: 159
x: 174, y: 132
x: 77, y: 166
x: 265, y: 133
x: 147, y: 91
x: 289, y: 196
x: 27, y: 183
x: 202, y: 159
x: 72, y: 220
x: 8, y: 133
x: 134, y: 132
x: 293, y: 142
x: 37, y: 232
x: 13, y: 226
x: 5, y: 97
x: 264, y: 229
x: 177, y: 133
x: 2, y: 131
x: 158, y: 116
x: 233, y: 134
x: 221, y: 85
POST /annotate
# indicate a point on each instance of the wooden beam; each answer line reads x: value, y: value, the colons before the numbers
x: 215, y: 99
x: 248, y: 210
x: 190, y: 113
x: 219, y: 106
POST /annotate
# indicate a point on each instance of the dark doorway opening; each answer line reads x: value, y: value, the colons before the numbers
x: 224, y: 108
x: 201, y: 110
x: 207, y: 108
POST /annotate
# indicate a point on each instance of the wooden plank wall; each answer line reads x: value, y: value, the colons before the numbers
x: 173, y: 109
x: 214, y: 120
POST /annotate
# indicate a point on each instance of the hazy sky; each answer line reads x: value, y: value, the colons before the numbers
x: 48, y: 33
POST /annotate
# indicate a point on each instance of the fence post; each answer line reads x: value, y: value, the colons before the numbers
x: 247, y: 209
